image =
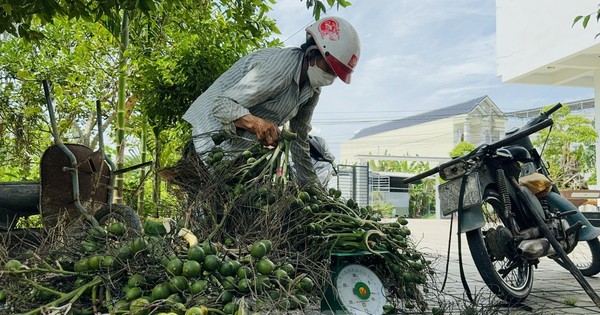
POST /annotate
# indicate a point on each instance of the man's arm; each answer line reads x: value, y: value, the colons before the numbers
x: 266, y: 131
x: 232, y: 107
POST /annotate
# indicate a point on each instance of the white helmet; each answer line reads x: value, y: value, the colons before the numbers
x: 339, y: 44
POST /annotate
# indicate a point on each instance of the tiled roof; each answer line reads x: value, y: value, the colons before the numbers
x: 454, y: 110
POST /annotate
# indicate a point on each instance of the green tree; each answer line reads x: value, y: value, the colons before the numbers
x: 569, y: 149
x: 18, y: 17
x: 78, y: 60
x: 179, y: 54
x: 461, y: 148
x: 422, y: 194
x: 174, y: 50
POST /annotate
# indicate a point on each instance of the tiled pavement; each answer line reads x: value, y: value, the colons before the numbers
x: 555, y: 290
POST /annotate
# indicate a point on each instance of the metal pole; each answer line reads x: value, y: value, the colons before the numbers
x: 597, y: 122
x: 73, y: 169
x: 53, y: 124
x: 354, y: 182
x: 368, y: 178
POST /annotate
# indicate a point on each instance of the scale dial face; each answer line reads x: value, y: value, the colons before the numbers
x: 360, y: 291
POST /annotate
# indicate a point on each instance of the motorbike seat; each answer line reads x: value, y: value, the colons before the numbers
x: 514, y: 152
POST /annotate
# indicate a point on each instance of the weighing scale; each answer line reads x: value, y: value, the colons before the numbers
x: 358, y: 290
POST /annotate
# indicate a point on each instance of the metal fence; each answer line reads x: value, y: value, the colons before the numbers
x: 353, y: 182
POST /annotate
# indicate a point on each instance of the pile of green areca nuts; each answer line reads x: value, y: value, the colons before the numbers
x: 251, y: 241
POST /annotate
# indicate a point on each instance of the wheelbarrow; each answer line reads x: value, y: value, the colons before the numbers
x: 75, y: 182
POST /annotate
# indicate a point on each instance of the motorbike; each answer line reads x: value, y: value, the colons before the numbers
x: 513, y: 214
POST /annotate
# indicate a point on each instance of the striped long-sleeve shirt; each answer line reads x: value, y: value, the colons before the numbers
x: 265, y: 84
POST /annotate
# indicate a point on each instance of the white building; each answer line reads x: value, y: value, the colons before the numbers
x: 537, y: 43
x: 432, y: 134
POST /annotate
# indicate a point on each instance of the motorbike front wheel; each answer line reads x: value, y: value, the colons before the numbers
x: 510, y: 279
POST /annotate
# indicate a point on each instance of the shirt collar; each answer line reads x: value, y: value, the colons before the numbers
x: 299, y: 72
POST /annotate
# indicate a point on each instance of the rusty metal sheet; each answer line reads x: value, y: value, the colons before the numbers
x: 56, y: 200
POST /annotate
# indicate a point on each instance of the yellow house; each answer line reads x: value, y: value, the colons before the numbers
x: 431, y: 134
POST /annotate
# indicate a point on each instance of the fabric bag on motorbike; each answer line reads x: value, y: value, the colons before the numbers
x: 537, y: 183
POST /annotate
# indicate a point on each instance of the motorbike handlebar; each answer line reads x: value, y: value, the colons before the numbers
x: 552, y: 110
x: 430, y: 172
x: 540, y: 122
x: 521, y: 134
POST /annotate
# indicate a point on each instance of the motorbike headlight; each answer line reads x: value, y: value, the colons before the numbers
x: 454, y: 171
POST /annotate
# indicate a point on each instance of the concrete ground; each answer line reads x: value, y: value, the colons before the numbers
x: 555, y: 290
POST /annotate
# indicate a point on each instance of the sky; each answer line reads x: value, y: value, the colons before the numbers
x: 416, y: 56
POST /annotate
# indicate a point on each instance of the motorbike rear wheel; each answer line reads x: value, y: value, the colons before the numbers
x: 586, y: 257
x: 510, y: 279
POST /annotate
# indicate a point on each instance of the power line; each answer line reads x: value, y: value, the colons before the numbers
x: 352, y: 120
x: 298, y: 31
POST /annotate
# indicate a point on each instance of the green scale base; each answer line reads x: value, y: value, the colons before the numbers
x: 357, y: 289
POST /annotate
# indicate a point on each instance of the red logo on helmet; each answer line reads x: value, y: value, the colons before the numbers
x: 353, y: 61
x: 330, y: 28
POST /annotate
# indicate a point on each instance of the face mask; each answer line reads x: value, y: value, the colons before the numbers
x: 318, y: 77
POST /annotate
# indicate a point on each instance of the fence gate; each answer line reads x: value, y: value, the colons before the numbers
x: 353, y: 182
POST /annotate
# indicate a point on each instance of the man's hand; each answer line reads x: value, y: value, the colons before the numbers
x: 266, y: 131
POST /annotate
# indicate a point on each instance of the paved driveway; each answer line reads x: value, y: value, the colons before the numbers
x: 555, y: 290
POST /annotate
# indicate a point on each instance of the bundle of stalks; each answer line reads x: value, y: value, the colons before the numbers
x: 249, y: 239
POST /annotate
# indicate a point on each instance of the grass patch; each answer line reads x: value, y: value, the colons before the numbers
x: 571, y: 301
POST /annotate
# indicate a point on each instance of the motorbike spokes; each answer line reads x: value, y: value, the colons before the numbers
x: 505, y: 271
x: 581, y: 255
x: 513, y: 273
x: 507, y: 274
x: 586, y: 257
